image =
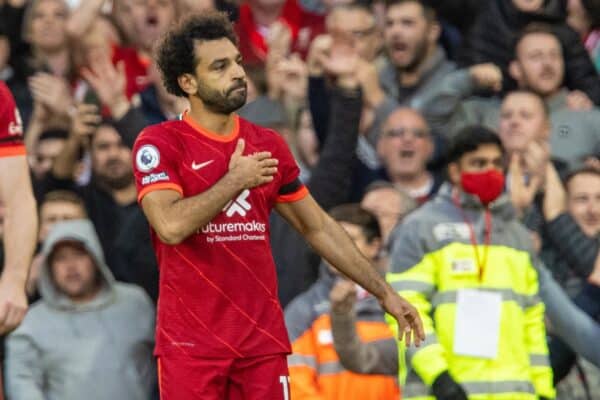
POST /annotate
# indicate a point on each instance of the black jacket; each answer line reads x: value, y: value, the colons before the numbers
x: 297, y: 266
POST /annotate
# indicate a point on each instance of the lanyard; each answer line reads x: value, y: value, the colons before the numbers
x: 481, y: 263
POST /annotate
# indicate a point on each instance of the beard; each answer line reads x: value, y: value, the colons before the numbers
x: 418, y: 57
x: 223, y: 103
x: 114, y: 181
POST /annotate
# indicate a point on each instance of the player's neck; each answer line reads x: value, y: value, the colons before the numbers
x: 221, y: 124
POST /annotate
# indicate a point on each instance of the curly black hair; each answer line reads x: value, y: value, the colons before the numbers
x: 175, y: 54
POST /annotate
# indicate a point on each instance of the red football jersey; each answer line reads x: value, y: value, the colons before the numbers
x: 11, y: 126
x: 218, y: 288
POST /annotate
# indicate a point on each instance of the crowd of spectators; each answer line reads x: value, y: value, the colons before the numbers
x: 369, y: 95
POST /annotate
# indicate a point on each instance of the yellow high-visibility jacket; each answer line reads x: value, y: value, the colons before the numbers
x: 433, y: 258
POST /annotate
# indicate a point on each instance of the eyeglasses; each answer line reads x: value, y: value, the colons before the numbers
x: 362, y: 33
x: 403, y: 132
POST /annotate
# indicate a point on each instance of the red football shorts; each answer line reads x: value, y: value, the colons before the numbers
x: 257, y: 378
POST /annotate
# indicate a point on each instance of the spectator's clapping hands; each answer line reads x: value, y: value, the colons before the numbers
x: 579, y: 101
x: 523, y: 187
x: 287, y: 75
x: 109, y: 83
x: 536, y: 158
x: 342, y: 60
x: 52, y: 92
x: 279, y: 40
x: 319, y: 48
x: 294, y: 76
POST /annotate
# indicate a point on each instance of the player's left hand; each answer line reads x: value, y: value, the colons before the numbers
x: 410, y: 326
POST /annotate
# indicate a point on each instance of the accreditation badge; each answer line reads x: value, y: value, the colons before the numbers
x: 477, y: 324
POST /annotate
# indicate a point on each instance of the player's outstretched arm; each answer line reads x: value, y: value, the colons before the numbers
x: 174, y: 218
x: 333, y: 244
x: 20, y: 234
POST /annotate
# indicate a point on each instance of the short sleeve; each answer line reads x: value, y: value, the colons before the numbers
x: 11, y: 125
x: 291, y: 189
x: 154, y: 163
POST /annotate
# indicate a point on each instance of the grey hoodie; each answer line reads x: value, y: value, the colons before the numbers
x: 100, y: 350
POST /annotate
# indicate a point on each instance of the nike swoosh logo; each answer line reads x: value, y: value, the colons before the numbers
x: 196, y: 167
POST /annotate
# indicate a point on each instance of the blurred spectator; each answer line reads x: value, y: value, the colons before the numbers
x: 499, y: 25
x: 43, y: 72
x: 359, y: 21
x: 573, y: 226
x: 43, y: 153
x: 416, y: 63
x: 571, y: 247
x: 315, y: 371
x: 57, y: 206
x: 257, y: 17
x: 158, y: 105
x: 538, y: 66
x: 388, y: 204
x: 405, y: 146
x: 352, y: 28
x: 102, y: 331
x: 150, y: 19
x: 110, y: 196
x: 44, y: 27
x: 140, y: 22
x: 524, y: 130
x: 345, y: 47
x: 584, y: 17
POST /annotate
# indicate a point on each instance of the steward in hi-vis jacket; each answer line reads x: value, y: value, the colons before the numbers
x: 467, y: 264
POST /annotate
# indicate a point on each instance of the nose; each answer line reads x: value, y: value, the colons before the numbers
x: 237, y: 72
x: 113, y: 151
x: 408, y: 137
x: 594, y: 207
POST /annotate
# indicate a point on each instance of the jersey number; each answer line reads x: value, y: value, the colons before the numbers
x: 285, y: 383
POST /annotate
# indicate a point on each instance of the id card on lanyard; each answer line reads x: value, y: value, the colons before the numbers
x: 478, y: 312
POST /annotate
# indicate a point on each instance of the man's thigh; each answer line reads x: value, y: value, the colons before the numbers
x: 189, y: 378
x: 259, y: 378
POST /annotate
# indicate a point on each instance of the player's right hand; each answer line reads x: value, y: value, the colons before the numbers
x: 13, y: 305
x: 252, y: 170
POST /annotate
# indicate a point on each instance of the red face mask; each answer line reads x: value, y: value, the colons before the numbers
x: 486, y: 185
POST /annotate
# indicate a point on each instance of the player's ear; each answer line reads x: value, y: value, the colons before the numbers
x: 188, y: 83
